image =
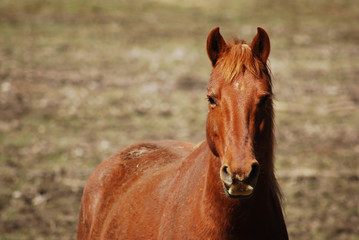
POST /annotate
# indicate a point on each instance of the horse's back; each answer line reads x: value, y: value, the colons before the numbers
x: 122, y: 179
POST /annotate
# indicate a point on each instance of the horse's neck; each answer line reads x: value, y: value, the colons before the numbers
x: 222, y: 209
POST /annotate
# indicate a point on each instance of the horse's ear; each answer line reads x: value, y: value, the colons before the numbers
x: 216, y: 45
x: 261, y: 45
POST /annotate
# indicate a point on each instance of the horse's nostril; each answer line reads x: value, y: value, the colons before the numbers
x: 225, y: 170
x: 226, y: 176
x: 254, y: 173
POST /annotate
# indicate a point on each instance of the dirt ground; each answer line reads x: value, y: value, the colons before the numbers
x: 80, y: 79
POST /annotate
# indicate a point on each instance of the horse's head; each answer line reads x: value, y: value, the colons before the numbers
x: 240, y: 109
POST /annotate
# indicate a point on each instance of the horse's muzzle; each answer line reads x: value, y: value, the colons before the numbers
x: 236, y: 186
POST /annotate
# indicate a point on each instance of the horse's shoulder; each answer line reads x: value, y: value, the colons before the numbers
x: 135, y: 160
x: 154, y: 154
x: 164, y: 147
x: 114, y: 176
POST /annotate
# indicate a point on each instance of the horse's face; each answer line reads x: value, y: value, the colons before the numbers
x: 237, y: 109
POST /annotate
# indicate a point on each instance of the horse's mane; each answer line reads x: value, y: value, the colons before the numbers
x: 238, y: 58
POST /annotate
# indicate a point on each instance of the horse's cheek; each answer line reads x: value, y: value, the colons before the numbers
x: 211, y: 129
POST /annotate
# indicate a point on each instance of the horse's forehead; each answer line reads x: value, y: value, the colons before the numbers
x: 244, y: 82
x: 239, y: 86
x: 248, y: 82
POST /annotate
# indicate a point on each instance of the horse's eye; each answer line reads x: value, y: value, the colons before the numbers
x: 212, y: 101
x: 263, y: 101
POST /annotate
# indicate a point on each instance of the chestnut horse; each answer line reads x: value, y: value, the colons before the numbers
x: 221, y: 188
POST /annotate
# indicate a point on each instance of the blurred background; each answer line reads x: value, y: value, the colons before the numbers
x: 80, y: 79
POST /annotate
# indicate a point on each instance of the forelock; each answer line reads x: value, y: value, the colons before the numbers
x: 237, y: 59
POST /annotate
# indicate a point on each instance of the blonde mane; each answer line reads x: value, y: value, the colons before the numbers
x: 237, y: 58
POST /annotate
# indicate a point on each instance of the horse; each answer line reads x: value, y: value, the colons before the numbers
x: 221, y: 188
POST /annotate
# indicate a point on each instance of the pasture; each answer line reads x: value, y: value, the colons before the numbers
x: 81, y: 79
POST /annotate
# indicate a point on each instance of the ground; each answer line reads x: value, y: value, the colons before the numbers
x: 81, y: 79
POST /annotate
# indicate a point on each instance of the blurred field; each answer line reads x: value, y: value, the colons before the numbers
x: 81, y: 79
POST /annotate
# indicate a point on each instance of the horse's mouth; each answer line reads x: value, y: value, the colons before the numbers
x: 238, y: 191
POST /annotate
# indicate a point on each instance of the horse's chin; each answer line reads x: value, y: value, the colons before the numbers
x: 245, y: 192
